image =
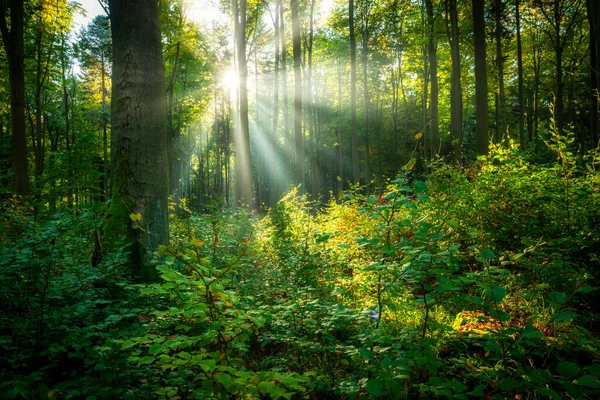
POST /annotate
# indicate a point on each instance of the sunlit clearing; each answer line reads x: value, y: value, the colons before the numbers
x: 230, y: 80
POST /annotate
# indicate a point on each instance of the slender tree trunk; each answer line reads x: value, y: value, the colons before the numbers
x: 277, y: 188
x: 522, y: 141
x: 242, y: 156
x: 481, y: 98
x: 299, y: 147
x: 365, y: 65
x: 139, y: 158
x: 501, y: 118
x: 456, y: 89
x: 285, y: 98
x: 13, y: 46
x: 433, y: 106
x: 315, y: 179
x: 354, y: 144
x: 593, y: 14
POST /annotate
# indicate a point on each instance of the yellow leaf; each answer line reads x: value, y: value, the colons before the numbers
x: 135, y: 217
x: 197, y: 242
x: 418, y: 136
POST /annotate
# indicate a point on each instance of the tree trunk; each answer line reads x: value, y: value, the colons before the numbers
x: 354, y: 144
x: 522, y: 141
x: 243, y: 170
x: 139, y: 158
x: 299, y: 147
x: 284, y: 94
x: 593, y: 14
x: 481, y: 97
x: 13, y: 46
x: 501, y: 119
x: 315, y: 179
x: 365, y: 65
x: 433, y: 104
x: 456, y: 89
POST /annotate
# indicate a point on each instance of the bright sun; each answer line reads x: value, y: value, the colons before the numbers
x: 230, y: 79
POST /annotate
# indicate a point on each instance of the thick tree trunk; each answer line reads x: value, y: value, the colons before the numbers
x: 13, y: 45
x: 139, y: 158
x: 481, y: 96
x: 299, y: 147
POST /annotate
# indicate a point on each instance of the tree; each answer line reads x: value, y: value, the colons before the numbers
x: 456, y: 89
x: 520, y: 77
x: 433, y: 70
x: 139, y: 141
x: 300, y: 161
x: 481, y: 99
x: 243, y: 172
x: 354, y: 143
x: 13, y: 46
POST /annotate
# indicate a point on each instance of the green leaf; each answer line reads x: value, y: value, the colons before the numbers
x: 567, y: 369
x: 564, y: 316
x: 557, y: 297
x: 225, y: 380
x: 365, y: 353
x: 420, y: 187
x: 529, y: 332
x: 375, y: 387
x: 146, y: 360
x: 588, y: 380
x: 548, y: 392
x: 495, y: 293
x: 487, y: 255
x: 452, y: 223
x: 155, y: 349
x: 410, y: 164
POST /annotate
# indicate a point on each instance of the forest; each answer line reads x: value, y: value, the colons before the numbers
x: 299, y: 199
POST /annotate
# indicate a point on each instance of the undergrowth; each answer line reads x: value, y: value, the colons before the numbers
x: 475, y: 282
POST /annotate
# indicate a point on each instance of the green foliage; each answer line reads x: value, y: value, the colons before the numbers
x: 475, y: 282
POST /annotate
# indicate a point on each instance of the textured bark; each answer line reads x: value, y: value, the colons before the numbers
x: 13, y: 46
x: 500, y: 111
x: 455, y: 89
x: 315, y: 178
x: 299, y: 147
x: 522, y: 141
x: 139, y: 158
x: 242, y: 155
x: 354, y: 139
x: 593, y: 15
x: 481, y: 96
x: 433, y: 104
x: 284, y: 94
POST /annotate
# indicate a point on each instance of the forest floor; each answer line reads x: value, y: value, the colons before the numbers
x: 473, y: 282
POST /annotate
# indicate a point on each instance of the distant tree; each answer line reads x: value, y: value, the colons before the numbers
x: 296, y: 49
x: 481, y: 99
x: 139, y: 141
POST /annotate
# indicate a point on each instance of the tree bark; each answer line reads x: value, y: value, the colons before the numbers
x: 433, y: 104
x: 455, y: 89
x: 354, y: 139
x: 522, y: 140
x: 242, y: 156
x: 299, y: 147
x: 481, y: 96
x: 139, y: 158
x: 13, y: 46
x: 501, y: 119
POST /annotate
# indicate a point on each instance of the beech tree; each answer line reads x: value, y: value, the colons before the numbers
x: 12, y: 40
x: 139, y: 140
